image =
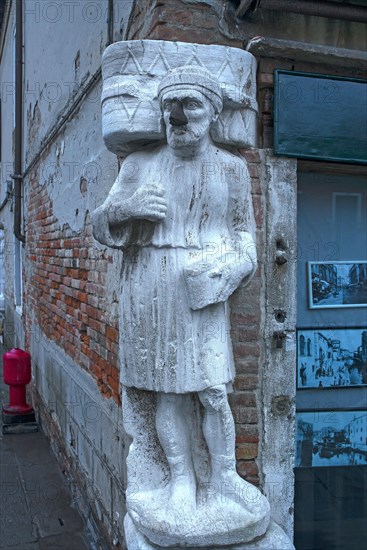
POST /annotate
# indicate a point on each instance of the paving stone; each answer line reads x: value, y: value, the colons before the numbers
x: 25, y: 546
x: 32, y: 448
x: 70, y: 541
x: 65, y: 521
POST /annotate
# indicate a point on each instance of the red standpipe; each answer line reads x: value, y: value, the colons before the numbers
x: 17, y: 374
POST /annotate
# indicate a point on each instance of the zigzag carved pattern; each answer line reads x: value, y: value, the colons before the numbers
x: 161, y: 56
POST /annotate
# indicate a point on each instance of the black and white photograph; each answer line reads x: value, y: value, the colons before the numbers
x: 331, y: 357
x: 331, y: 438
x: 337, y: 284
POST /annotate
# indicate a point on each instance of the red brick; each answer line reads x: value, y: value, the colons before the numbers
x: 114, y: 385
x: 95, y: 369
x: 171, y: 32
x: 247, y: 366
x: 246, y: 349
x: 251, y: 155
x: 258, y: 210
x: 243, y: 415
x: 253, y: 170
x: 115, y: 374
x: 246, y: 451
x: 112, y: 333
x: 243, y: 399
x: 246, y: 382
x: 246, y: 434
x: 247, y: 468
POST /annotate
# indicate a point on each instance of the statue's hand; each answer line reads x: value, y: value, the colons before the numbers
x: 211, y: 283
x: 149, y: 203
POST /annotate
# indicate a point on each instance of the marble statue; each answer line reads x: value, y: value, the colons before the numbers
x: 184, y: 220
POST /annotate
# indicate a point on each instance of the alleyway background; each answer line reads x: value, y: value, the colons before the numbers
x: 36, y: 510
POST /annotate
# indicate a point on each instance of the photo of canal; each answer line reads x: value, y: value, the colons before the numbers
x: 332, y: 438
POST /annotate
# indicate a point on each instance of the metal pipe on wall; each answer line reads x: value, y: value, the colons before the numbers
x: 18, y: 133
x: 320, y: 8
x: 110, y: 22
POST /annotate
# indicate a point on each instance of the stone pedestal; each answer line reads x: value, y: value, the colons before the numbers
x: 274, y: 539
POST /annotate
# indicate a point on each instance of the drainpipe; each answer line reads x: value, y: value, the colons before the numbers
x: 319, y: 8
x: 17, y: 176
x: 110, y: 23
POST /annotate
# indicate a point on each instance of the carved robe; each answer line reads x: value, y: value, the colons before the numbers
x: 165, y: 344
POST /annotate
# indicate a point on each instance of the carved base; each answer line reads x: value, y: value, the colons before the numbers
x: 219, y: 517
x: 274, y: 539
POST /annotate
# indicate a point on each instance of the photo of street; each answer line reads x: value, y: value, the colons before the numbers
x: 331, y: 438
x: 337, y: 284
x: 331, y: 357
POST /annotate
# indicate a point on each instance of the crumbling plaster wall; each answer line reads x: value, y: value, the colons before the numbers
x: 63, y: 48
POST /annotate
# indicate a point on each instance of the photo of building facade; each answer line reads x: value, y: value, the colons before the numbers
x: 331, y: 358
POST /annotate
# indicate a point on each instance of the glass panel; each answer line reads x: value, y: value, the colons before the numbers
x: 320, y: 116
x: 331, y: 501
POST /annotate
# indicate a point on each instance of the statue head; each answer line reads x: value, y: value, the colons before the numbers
x: 190, y: 99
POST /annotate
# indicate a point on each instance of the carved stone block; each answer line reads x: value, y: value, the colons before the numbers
x: 132, y: 71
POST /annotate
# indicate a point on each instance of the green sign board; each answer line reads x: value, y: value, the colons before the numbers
x: 320, y: 117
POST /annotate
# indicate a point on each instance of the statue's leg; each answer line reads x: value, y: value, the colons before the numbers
x: 218, y: 427
x: 219, y: 433
x: 173, y: 434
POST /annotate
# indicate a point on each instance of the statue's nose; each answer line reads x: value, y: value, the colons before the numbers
x: 177, y: 116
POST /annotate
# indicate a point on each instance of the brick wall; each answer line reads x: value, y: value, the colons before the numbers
x: 246, y: 320
x: 176, y: 20
x: 66, y: 291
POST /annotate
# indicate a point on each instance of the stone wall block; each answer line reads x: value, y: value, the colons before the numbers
x: 132, y: 71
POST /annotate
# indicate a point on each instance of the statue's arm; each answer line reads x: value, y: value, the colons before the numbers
x: 237, y: 260
x: 110, y: 220
x: 127, y: 202
x: 242, y: 222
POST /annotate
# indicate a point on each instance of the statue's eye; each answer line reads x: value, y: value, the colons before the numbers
x: 167, y: 105
x: 192, y: 104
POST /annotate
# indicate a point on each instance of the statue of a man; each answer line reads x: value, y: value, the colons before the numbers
x: 182, y: 213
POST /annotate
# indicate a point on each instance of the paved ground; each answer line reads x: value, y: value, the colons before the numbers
x: 35, y: 507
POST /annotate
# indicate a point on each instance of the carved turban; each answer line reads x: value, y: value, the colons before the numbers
x: 192, y: 77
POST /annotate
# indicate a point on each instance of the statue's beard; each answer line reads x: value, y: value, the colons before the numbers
x: 183, y: 136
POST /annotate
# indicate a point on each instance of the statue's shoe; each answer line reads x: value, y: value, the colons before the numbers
x: 231, y: 486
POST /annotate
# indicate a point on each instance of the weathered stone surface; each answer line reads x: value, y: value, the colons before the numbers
x: 184, y: 218
x: 217, y: 519
x: 305, y: 51
x: 277, y: 454
x: 274, y: 539
x: 132, y: 71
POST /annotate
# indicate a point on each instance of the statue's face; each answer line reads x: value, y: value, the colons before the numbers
x: 191, y: 106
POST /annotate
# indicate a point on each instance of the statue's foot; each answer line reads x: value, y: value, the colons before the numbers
x: 231, y: 486
x: 182, y: 495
